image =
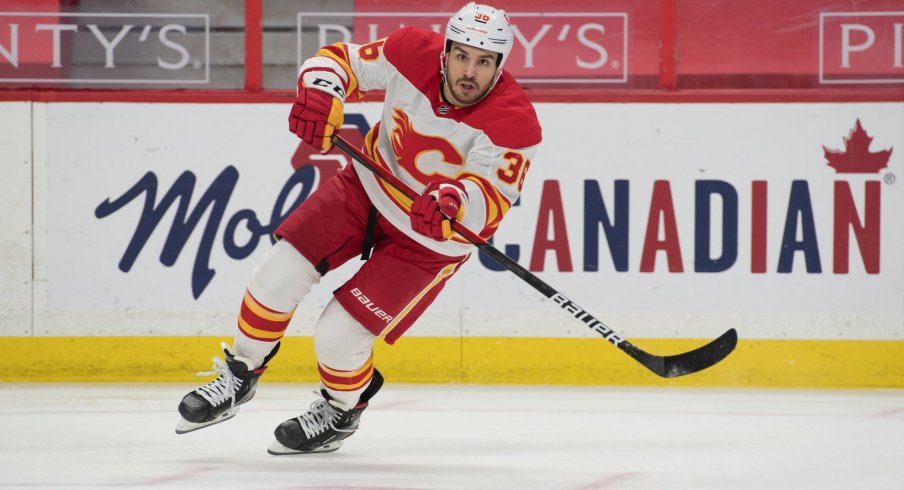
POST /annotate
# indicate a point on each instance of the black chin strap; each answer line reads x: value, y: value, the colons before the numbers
x: 442, y: 91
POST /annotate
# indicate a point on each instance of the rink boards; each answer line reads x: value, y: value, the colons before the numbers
x: 483, y: 360
x: 130, y: 231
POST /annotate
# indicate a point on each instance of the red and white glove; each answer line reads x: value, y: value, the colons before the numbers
x: 315, y: 117
x: 431, y: 211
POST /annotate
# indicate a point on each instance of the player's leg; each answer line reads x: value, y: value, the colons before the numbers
x: 276, y: 287
x: 325, y: 231
x: 382, y: 300
x: 344, y: 350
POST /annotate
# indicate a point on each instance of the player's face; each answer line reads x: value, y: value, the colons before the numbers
x: 469, y: 74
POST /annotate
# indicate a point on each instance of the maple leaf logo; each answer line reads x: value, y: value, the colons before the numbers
x: 856, y: 157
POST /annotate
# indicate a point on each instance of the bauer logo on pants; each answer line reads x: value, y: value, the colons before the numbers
x: 376, y: 310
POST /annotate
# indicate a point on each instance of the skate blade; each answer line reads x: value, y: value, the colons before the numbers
x: 277, y: 449
x: 184, y: 426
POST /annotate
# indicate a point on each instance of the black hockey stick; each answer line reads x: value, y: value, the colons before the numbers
x: 665, y: 366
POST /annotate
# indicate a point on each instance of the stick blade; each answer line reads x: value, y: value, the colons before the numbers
x: 701, y: 358
x: 692, y: 361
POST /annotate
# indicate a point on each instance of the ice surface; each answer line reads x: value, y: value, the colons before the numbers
x: 462, y: 437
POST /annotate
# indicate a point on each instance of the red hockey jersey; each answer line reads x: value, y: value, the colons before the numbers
x: 420, y: 138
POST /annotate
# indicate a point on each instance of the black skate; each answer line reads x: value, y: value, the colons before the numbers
x: 219, y: 400
x: 323, y: 427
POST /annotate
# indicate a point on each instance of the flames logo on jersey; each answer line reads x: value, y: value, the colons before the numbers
x: 409, y: 145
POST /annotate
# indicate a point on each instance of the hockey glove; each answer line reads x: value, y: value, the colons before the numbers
x: 315, y: 117
x: 430, y: 212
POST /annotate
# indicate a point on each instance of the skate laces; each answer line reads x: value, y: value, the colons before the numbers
x: 319, y: 417
x: 224, y: 387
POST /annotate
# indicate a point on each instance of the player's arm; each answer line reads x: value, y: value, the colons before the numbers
x: 478, y: 198
x: 492, y: 191
x: 326, y: 80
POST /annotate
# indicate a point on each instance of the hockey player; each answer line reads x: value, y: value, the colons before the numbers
x: 457, y: 128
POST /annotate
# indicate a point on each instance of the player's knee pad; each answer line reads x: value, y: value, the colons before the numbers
x: 283, y: 278
x: 340, y: 342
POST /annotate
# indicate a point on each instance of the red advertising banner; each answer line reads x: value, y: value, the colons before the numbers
x: 861, y: 47
x: 569, y: 43
x: 724, y: 44
x: 781, y: 44
x: 589, y: 47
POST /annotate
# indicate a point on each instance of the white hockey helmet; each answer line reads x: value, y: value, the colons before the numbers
x: 480, y: 26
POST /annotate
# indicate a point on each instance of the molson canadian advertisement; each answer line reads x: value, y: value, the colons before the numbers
x: 665, y: 220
